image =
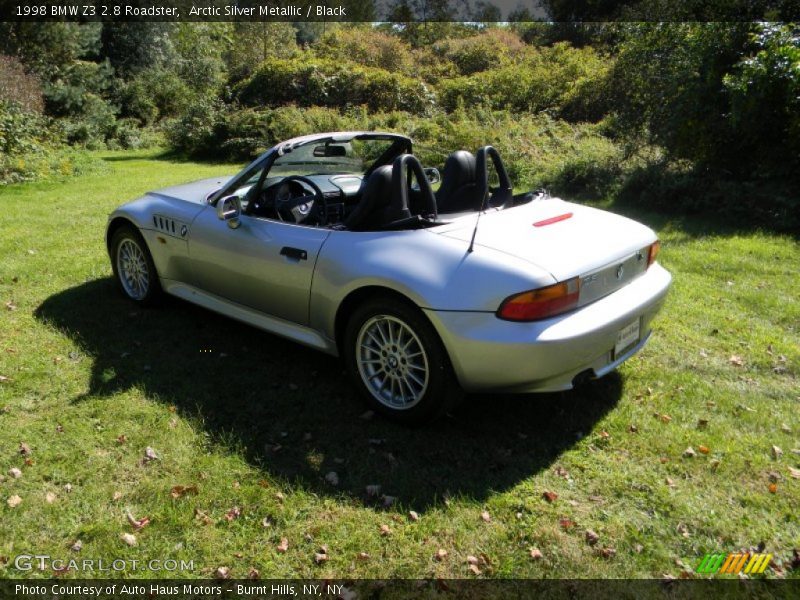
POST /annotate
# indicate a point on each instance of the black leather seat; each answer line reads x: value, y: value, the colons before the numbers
x: 459, y: 190
x: 378, y: 206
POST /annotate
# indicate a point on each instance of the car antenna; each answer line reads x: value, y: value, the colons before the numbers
x: 480, y: 212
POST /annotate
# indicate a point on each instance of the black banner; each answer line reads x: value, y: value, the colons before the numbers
x: 74, y: 589
x: 399, y: 11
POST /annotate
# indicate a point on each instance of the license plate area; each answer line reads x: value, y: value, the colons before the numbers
x: 627, y: 338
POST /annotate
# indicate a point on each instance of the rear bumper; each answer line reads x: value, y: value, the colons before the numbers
x: 491, y: 354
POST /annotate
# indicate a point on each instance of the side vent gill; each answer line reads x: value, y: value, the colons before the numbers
x: 169, y: 226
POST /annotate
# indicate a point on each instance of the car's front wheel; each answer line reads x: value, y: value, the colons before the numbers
x: 133, y: 266
x: 398, y: 362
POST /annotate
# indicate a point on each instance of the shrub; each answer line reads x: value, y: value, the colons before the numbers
x: 365, y: 46
x: 19, y: 86
x: 326, y: 82
x: 560, y: 79
x: 488, y: 50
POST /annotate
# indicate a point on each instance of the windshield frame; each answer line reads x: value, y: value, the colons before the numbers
x: 402, y: 144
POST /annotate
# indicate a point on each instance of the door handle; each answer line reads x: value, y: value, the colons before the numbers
x: 295, y: 253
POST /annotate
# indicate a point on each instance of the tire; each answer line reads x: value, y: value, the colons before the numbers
x: 397, y: 361
x: 130, y: 255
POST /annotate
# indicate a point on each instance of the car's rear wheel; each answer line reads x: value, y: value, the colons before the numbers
x: 133, y: 267
x: 398, y: 362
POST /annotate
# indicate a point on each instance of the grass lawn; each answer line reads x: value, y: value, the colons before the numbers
x: 251, y: 424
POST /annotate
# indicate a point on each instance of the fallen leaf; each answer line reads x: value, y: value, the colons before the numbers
x: 665, y: 418
x: 116, y: 496
x: 50, y: 497
x: 362, y: 556
x: 222, y: 573
x: 785, y: 428
x: 736, y: 360
x: 605, y: 435
x: 550, y: 496
x: 137, y: 523
x: 233, y: 513
x: 122, y: 438
x: 385, y: 530
x: 486, y: 517
x: 253, y: 573
x: 128, y: 538
x: 14, y: 501
x: 320, y: 558
x: 10, y: 305
x: 669, y: 482
x: 663, y: 460
x: 413, y: 515
x: 279, y: 496
x: 179, y: 491
x: 566, y: 523
x: 59, y: 428
x: 24, y: 449
x: 202, y: 517
x: 608, y: 552
x: 150, y: 454
x: 689, y: 452
x: 638, y: 548
x: 15, y: 472
x: 475, y: 569
x: 441, y: 554
x: 633, y: 428
x: 794, y: 472
x: 714, y: 464
x: 535, y: 554
x: 703, y: 449
x: 283, y: 546
x: 773, y: 488
x: 561, y: 472
x: 591, y: 537
x: 776, y: 452
x: 77, y: 546
x: 68, y: 487
x: 4, y: 379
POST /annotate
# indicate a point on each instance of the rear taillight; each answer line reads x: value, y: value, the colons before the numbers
x: 541, y: 303
x: 653, y: 252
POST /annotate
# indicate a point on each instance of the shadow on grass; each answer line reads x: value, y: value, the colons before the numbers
x: 294, y: 415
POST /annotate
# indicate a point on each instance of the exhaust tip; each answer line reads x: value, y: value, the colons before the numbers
x: 582, y: 378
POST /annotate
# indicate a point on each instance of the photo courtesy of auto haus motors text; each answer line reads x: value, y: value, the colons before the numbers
x: 399, y: 299
x: 151, y: 589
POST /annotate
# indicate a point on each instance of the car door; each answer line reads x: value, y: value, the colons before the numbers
x: 262, y: 264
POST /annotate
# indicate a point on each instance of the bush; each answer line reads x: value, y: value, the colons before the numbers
x: 488, y: 50
x: 16, y: 85
x: 154, y: 94
x: 366, y: 46
x: 326, y: 82
x: 562, y: 80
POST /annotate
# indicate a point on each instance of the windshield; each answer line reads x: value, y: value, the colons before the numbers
x: 328, y: 157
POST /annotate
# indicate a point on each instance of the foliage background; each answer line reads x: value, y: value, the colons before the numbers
x: 684, y: 117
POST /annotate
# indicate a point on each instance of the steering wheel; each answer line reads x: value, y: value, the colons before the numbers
x: 318, y: 203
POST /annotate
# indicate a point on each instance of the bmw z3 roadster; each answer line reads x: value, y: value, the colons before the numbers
x: 339, y: 242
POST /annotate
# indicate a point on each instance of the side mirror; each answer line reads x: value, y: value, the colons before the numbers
x: 229, y: 209
x: 433, y: 175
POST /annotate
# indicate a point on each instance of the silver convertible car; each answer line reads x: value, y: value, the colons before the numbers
x: 338, y: 241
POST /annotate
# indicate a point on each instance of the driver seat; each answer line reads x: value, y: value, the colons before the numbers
x: 459, y: 190
x: 379, y: 206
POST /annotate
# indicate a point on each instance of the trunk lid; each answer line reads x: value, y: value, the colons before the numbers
x: 605, y: 249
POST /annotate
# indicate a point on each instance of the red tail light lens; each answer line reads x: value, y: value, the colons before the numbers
x: 653, y: 253
x: 541, y: 303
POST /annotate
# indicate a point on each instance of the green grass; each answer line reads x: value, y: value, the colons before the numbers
x: 256, y: 422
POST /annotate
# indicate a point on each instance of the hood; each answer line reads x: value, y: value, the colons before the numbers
x: 586, y: 241
x: 195, y: 192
